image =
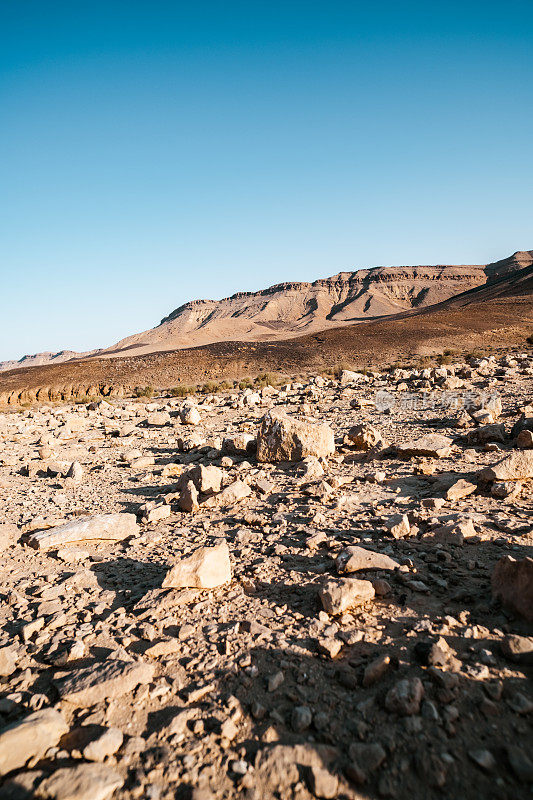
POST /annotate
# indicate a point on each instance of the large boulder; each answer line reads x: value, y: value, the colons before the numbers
x: 283, y: 438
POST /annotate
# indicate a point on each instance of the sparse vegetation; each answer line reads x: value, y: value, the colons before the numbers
x: 144, y: 391
x: 182, y: 391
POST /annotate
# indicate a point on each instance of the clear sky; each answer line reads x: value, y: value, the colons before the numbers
x: 156, y: 152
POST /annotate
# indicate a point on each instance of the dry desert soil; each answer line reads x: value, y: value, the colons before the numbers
x: 322, y: 589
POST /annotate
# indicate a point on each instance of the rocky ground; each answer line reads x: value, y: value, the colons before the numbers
x: 318, y: 590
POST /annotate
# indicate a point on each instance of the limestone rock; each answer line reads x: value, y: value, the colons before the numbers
x: 110, y: 679
x: 514, y: 467
x: 30, y: 738
x: 206, y: 568
x: 338, y: 596
x: 460, y: 489
x: 283, y: 438
x: 110, y: 527
x: 105, y: 745
x: 8, y: 660
x: 83, y: 782
x: 353, y: 559
x: 432, y: 444
x: 365, y: 437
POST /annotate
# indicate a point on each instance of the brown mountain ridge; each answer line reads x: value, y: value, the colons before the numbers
x: 293, y: 309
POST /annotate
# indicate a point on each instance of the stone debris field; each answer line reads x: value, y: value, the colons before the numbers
x: 317, y: 590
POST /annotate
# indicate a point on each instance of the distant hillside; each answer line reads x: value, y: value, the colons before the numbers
x: 293, y: 309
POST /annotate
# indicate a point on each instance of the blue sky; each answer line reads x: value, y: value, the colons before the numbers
x: 157, y: 152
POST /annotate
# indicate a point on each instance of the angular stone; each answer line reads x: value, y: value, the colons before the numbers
x: 518, y: 648
x: 84, y: 782
x: 283, y: 438
x: 109, y: 679
x: 512, y: 582
x: 338, y: 596
x: 29, y: 738
x: 105, y: 745
x: 109, y: 527
x: 190, y: 415
x: 234, y: 493
x: 432, y: 444
x: 514, y: 467
x: 398, y: 526
x: 353, y: 559
x: 188, y: 499
x: 207, y: 480
x: 8, y: 660
x: 460, y: 489
x: 405, y: 697
x: 365, y: 437
x: 206, y: 568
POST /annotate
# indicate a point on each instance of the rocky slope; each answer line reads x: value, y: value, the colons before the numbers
x: 292, y: 309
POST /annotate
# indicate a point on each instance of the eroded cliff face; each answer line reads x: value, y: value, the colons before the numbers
x: 291, y: 309
x: 295, y: 308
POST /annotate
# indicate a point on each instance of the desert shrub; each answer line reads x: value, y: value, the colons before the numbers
x: 144, y: 391
x: 182, y: 391
x: 210, y: 387
x: 245, y: 383
x: 266, y: 379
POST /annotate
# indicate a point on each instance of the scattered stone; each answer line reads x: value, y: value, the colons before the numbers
x: 108, y: 680
x: 83, y: 782
x: 353, y: 559
x: 340, y: 595
x: 206, y: 568
x: 283, y: 438
x: 109, y: 527
x: 433, y: 445
x: 405, y: 697
x: 29, y: 738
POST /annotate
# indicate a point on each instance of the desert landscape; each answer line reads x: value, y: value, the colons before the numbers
x: 266, y: 401
x: 310, y: 586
